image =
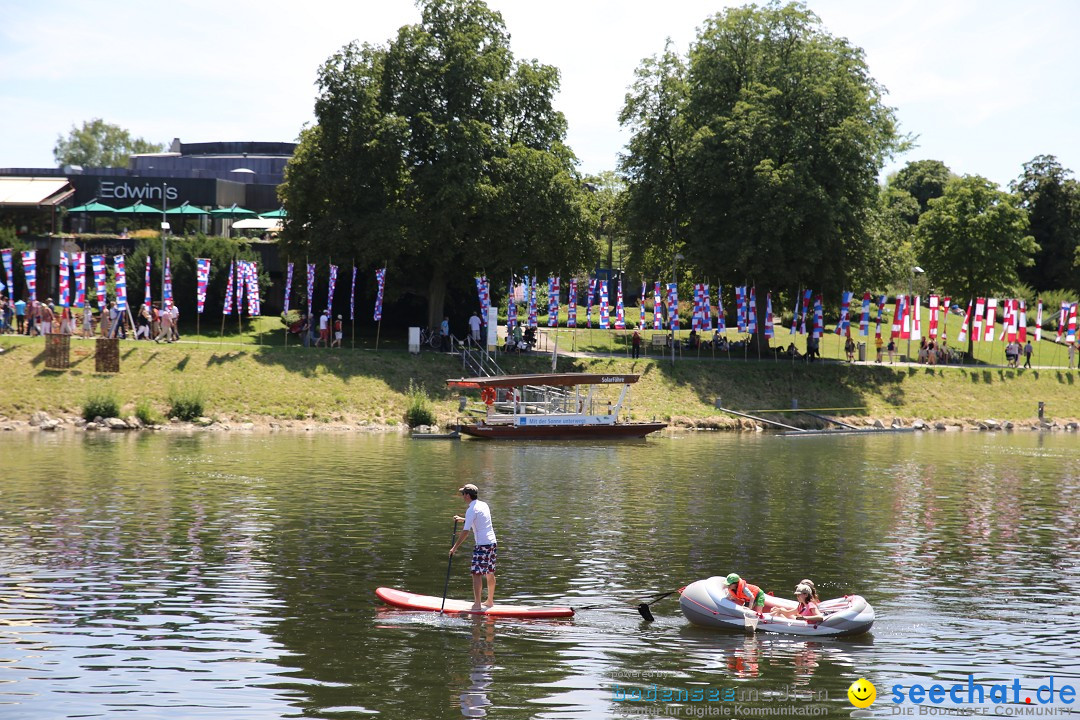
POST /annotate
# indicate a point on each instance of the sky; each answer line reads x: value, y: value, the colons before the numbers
x: 983, y: 86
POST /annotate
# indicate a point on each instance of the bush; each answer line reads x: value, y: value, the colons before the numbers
x: 146, y: 413
x: 100, y: 403
x: 186, y: 403
x: 418, y: 407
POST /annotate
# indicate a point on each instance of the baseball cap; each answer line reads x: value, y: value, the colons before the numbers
x: 470, y: 488
x: 732, y: 578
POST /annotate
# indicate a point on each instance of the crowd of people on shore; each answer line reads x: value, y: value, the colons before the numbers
x: 36, y: 318
x: 318, y: 330
x: 151, y: 322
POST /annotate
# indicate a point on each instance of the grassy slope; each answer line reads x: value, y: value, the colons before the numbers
x: 328, y: 385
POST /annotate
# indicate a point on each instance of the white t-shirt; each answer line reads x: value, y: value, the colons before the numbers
x: 478, y: 519
x: 323, y: 320
x: 474, y: 324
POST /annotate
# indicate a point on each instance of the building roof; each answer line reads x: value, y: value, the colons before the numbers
x: 34, y: 191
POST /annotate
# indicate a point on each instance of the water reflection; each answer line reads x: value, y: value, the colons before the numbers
x: 474, y: 701
x: 237, y: 573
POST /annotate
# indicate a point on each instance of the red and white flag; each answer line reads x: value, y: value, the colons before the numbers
x: 1038, y: 323
x: 933, y: 316
x: 916, y: 318
x: 977, y: 320
x: 946, y: 305
x: 898, y: 317
x: 1021, y: 332
x: 962, y: 335
x: 991, y: 311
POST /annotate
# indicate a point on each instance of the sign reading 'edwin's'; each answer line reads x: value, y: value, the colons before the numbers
x: 109, y: 189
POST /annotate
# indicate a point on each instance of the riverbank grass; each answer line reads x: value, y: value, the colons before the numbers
x: 340, y: 385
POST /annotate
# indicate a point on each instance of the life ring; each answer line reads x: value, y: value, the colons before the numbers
x: 488, y: 395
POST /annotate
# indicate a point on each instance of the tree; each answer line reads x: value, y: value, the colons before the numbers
x: 888, y: 252
x: 604, y: 208
x: 1052, y: 201
x: 440, y: 154
x: 656, y: 164
x: 773, y: 153
x: 924, y: 180
x: 972, y: 239
x: 100, y: 144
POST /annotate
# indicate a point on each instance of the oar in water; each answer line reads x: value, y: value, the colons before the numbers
x: 643, y: 608
x: 449, y: 562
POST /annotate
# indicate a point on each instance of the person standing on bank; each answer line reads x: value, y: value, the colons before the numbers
x: 444, y: 331
x: 474, y: 329
x: 478, y: 521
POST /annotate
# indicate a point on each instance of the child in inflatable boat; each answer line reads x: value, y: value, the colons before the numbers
x: 807, y: 595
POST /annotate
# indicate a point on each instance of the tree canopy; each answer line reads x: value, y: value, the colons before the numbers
x: 438, y: 153
x: 924, y: 180
x: 763, y: 150
x: 973, y: 239
x: 1052, y: 200
x: 100, y: 144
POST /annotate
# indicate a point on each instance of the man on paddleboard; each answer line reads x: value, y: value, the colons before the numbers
x: 478, y: 520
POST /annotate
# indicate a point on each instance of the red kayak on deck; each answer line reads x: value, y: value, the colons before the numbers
x: 430, y: 603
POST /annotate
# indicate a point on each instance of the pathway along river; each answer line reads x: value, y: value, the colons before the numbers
x: 232, y: 576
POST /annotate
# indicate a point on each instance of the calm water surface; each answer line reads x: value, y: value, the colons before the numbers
x: 161, y: 576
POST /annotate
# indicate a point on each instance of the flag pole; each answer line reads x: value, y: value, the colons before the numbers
x: 352, y: 305
x: 378, y: 328
x: 256, y: 284
x: 239, y: 309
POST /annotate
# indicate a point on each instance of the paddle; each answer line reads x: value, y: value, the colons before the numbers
x: 449, y: 562
x: 643, y: 608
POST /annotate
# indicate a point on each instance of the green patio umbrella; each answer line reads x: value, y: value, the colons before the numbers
x: 279, y: 213
x: 139, y: 209
x: 233, y: 212
x: 92, y: 207
x: 186, y: 209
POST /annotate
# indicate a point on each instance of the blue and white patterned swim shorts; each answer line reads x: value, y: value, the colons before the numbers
x: 483, y: 559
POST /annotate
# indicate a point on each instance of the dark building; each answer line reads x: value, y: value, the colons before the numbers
x: 207, y: 175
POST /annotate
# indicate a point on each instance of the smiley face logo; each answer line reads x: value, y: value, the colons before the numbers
x: 862, y: 693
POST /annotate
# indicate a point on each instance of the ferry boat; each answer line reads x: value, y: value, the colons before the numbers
x: 552, y: 406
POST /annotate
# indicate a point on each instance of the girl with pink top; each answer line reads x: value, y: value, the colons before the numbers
x: 806, y: 594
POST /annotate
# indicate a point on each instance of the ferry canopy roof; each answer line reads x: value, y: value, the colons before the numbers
x: 555, y: 379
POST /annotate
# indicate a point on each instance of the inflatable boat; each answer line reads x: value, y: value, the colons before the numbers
x: 706, y: 602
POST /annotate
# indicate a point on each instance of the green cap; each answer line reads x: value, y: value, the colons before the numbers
x: 732, y: 578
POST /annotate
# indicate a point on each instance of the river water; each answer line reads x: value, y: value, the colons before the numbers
x: 232, y: 576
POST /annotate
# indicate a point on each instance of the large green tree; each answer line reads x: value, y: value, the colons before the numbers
x: 1052, y: 201
x: 100, y: 144
x: 440, y: 154
x: 656, y: 164
x: 924, y: 180
x: 973, y: 239
x: 765, y: 158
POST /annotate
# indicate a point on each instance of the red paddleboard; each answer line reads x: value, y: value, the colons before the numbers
x: 430, y: 603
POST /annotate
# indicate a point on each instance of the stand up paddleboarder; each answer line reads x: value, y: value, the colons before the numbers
x: 478, y: 520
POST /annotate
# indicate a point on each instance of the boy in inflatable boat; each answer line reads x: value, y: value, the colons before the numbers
x: 743, y: 593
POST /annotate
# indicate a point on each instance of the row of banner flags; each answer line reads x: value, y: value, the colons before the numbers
x: 980, y: 319
x: 73, y: 275
x: 807, y: 319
